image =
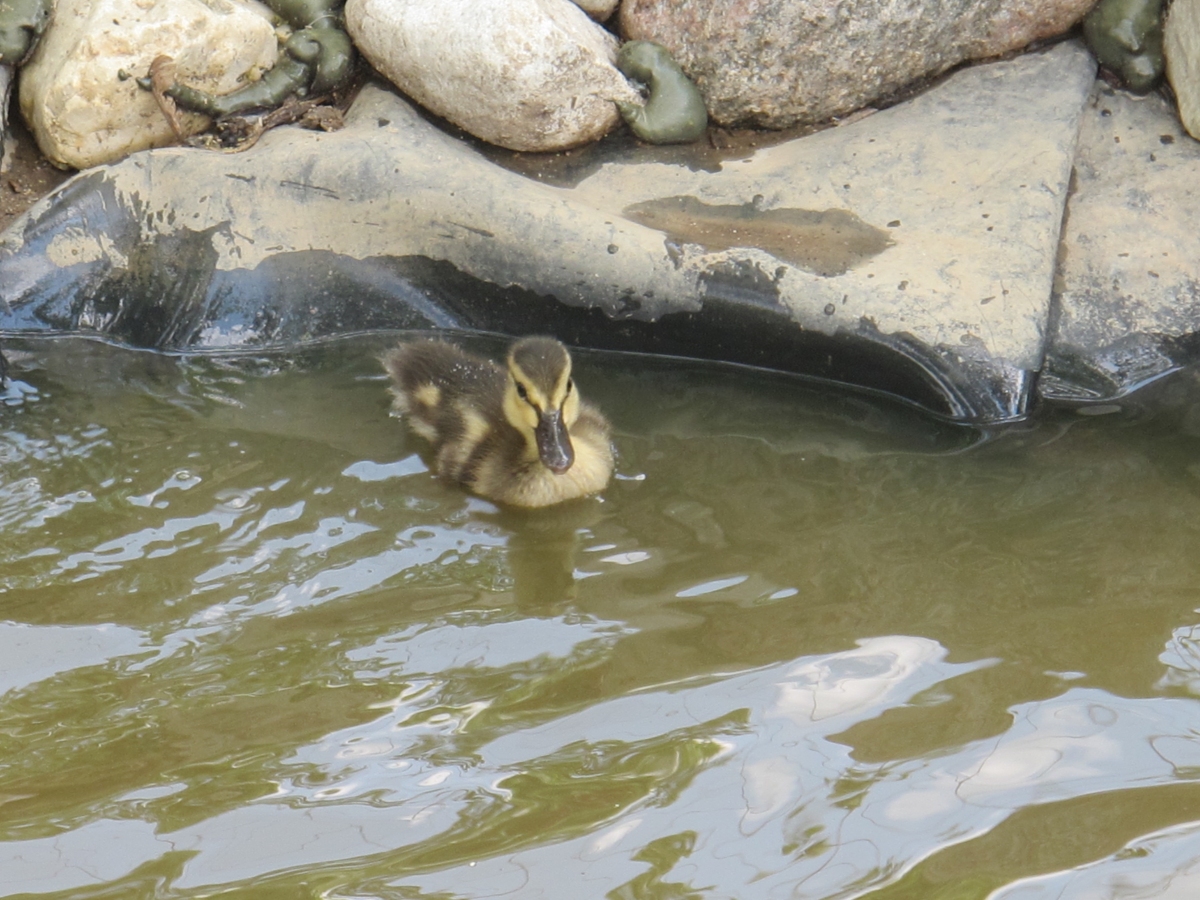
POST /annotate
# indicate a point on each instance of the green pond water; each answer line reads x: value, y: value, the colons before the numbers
x: 809, y: 644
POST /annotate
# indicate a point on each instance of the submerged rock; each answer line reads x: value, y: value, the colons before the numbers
x: 777, y: 63
x: 530, y: 75
x: 81, y: 110
x: 1182, y: 40
x: 911, y: 252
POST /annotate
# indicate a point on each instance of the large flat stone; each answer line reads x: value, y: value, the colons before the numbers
x: 911, y: 252
x: 969, y: 180
x: 1128, y: 299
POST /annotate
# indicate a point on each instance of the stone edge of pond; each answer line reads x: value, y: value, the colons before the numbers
x: 392, y: 223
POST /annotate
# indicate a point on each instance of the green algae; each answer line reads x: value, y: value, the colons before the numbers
x: 674, y: 112
x: 1127, y: 37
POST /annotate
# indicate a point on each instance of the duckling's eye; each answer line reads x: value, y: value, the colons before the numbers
x: 521, y: 392
x: 570, y: 387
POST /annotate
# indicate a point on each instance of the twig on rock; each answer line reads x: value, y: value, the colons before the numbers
x: 162, y: 77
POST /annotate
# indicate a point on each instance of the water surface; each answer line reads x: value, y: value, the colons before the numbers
x: 809, y: 644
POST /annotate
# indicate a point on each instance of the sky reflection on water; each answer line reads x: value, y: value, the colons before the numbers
x: 808, y: 645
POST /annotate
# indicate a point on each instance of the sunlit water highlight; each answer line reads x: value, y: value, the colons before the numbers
x: 807, y: 645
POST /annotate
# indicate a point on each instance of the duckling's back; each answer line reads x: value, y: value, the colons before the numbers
x: 433, y: 380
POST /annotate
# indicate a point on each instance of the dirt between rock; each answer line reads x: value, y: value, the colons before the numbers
x: 25, y: 175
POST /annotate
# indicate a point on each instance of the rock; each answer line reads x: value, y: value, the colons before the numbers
x: 600, y: 10
x: 6, y: 80
x: 21, y: 25
x: 529, y: 75
x: 1127, y: 37
x: 1129, y: 289
x: 910, y: 252
x: 777, y: 63
x: 74, y: 99
x: 1182, y: 46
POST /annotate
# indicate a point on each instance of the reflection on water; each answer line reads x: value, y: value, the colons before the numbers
x: 808, y: 644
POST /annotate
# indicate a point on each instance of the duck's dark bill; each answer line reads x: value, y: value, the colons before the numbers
x: 554, y: 444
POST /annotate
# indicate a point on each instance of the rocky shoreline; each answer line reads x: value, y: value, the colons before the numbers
x: 1017, y: 231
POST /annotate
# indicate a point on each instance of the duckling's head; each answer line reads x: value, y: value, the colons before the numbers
x: 541, y: 401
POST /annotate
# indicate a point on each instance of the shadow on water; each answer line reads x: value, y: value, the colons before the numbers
x: 248, y: 639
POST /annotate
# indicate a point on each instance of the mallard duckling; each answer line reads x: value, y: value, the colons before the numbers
x: 518, y: 435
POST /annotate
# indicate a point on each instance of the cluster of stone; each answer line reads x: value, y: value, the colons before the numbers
x: 528, y: 75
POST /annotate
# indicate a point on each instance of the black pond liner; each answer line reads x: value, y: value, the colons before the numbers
x: 169, y: 295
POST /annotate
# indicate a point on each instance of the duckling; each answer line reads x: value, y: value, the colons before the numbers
x: 519, y: 435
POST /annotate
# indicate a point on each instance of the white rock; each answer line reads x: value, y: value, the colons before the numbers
x: 1181, y: 46
x: 523, y: 74
x: 83, y: 114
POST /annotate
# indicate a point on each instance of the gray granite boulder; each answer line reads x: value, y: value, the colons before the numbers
x: 910, y: 252
x: 776, y: 63
x: 1127, y: 308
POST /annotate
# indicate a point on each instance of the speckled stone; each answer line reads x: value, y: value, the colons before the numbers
x: 776, y: 63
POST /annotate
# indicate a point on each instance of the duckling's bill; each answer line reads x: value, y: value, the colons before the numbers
x: 553, y: 442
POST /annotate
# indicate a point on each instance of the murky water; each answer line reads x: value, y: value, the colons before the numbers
x: 809, y: 645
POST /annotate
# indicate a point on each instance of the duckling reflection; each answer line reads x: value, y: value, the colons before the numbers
x: 519, y: 435
x: 543, y: 551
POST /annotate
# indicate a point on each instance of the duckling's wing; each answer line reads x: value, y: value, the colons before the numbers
x: 433, y: 380
x: 418, y: 364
